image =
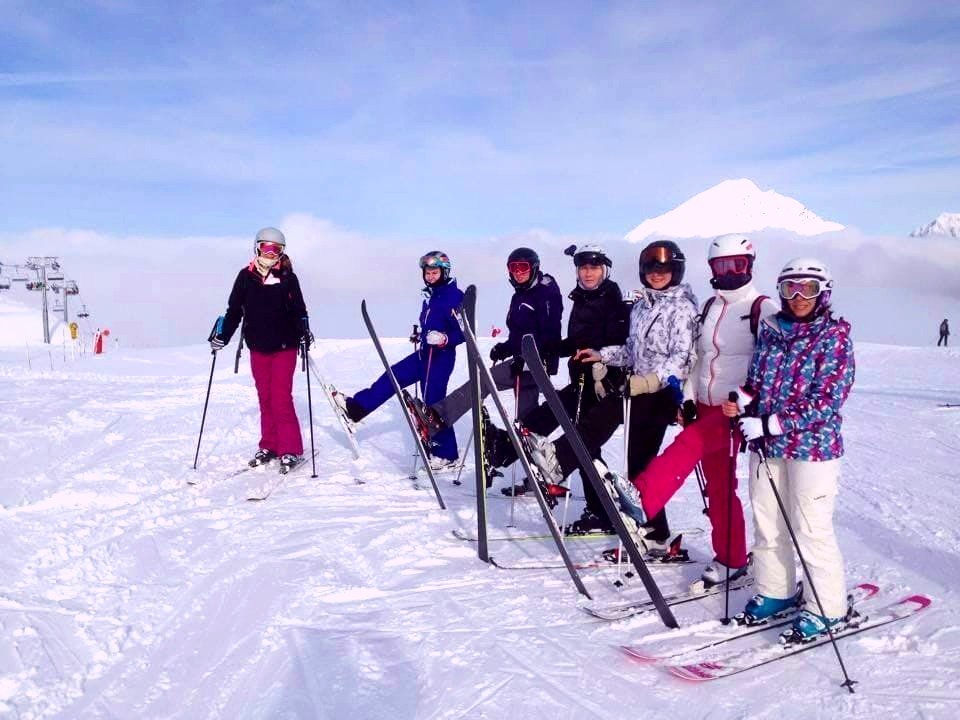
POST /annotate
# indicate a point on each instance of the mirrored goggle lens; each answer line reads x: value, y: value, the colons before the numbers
x: 270, y: 249
x: 656, y: 267
x: 434, y: 261
x: 659, y: 255
x: 736, y: 265
x: 519, y: 267
x: 594, y: 259
x: 807, y: 289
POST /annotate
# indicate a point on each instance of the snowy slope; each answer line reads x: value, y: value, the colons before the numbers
x: 946, y: 224
x: 128, y: 594
x: 733, y: 206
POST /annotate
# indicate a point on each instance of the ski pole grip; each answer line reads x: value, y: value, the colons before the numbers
x: 217, y: 328
x: 733, y: 397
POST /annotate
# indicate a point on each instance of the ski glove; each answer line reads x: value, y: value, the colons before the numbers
x: 643, y: 384
x: 500, y: 351
x: 435, y: 337
x: 688, y: 412
x: 744, y: 398
x: 599, y: 372
x: 754, y: 428
x: 217, y: 343
x: 415, y: 335
x: 307, y: 336
x: 516, y: 367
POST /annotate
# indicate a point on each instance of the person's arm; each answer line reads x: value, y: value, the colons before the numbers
x: 234, y: 314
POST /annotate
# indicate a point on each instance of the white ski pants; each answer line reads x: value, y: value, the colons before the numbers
x: 808, y: 491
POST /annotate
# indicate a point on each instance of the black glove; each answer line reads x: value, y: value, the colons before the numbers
x: 688, y: 411
x: 500, y: 351
x: 415, y: 335
x: 516, y: 367
x: 307, y: 337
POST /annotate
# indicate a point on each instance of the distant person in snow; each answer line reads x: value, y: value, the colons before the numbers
x: 431, y: 364
x: 728, y: 328
x: 266, y: 296
x: 799, y: 378
x: 944, y: 333
x: 536, y: 308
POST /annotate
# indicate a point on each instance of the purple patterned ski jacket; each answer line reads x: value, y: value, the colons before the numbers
x: 803, y: 372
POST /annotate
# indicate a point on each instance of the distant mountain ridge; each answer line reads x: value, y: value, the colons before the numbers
x: 733, y: 206
x: 946, y: 224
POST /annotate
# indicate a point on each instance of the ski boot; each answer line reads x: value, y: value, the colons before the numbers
x: 761, y: 609
x: 716, y: 573
x: 809, y: 626
x: 288, y: 462
x: 666, y: 551
x: 349, y: 408
x: 628, y: 497
x: 590, y: 522
x: 428, y: 420
x: 262, y: 457
x: 439, y: 464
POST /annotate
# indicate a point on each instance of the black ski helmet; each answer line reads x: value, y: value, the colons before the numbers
x: 659, y: 255
x: 436, y: 259
x: 524, y: 254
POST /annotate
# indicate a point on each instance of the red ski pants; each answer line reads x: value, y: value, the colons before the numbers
x: 273, y: 376
x: 706, y: 440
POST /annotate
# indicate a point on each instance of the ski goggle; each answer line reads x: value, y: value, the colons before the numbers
x: 433, y: 260
x: 657, y: 259
x: 732, y: 265
x: 807, y: 288
x: 269, y: 249
x: 519, y: 267
x: 590, y: 258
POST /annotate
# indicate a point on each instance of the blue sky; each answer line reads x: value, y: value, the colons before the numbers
x: 469, y: 120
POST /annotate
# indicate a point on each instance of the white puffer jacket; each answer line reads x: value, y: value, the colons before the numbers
x: 726, y: 344
x: 663, y: 330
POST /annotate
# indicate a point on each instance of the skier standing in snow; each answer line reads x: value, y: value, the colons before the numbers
x: 599, y: 317
x: 659, y: 351
x: 536, y: 308
x: 944, y: 334
x: 798, y: 380
x: 727, y: 336
x: 431, y: 364
x: 266, y: 295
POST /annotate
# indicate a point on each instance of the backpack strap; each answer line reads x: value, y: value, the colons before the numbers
x: 706, y: 308
x: 755, y: 309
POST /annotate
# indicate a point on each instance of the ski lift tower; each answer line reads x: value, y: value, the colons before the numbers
x: 40, y: 265
x: 4, y: 281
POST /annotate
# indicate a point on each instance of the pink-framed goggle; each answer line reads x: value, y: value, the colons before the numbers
x: 269, y: 249
x: 730, y: 265
x: 807, y: 288
x: 519, y: 267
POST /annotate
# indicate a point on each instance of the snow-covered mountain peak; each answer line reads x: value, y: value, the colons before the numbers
x: 945, y: 224
x: 733, y: 206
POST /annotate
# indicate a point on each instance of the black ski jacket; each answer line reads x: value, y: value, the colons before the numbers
x: 271, y: 307
x: 598, y: 318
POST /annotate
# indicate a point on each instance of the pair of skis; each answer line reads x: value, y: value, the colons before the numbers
x: 707, y: 660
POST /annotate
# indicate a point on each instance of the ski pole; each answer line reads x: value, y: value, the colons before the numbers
x: 732, y: 480
x: 217, y: 327
x: 702, y: 482
x: 305, y: 347
x: 847, y: 683
x: 236, y: 360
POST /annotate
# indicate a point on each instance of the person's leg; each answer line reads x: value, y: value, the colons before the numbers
x: 528, y: 393
x: 289, y: 437
x: 444, y: 443
x: 260, y: 368
x: 812, y: 487
x: 596, y: 427
x: 407, y: 371
x: 724, y: 507
x: 541, y: 420
x: 773, y: 557
x: 649, y: 416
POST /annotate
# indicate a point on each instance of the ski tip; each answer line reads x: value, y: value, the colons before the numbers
x: 869, y: 588
x: 637, y: 653
x: 698, y: 672
x: 920, y: 600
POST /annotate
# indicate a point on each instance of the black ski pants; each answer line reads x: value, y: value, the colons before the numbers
x: 650, y: 414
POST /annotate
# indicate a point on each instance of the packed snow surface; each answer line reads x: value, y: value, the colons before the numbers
x: 733, y: 206
x: 128, y: 593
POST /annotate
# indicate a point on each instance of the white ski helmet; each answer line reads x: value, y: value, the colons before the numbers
x: 807, y: 268
x: 736, y: 271
x: 269, y: 235
x: 729, y: 245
